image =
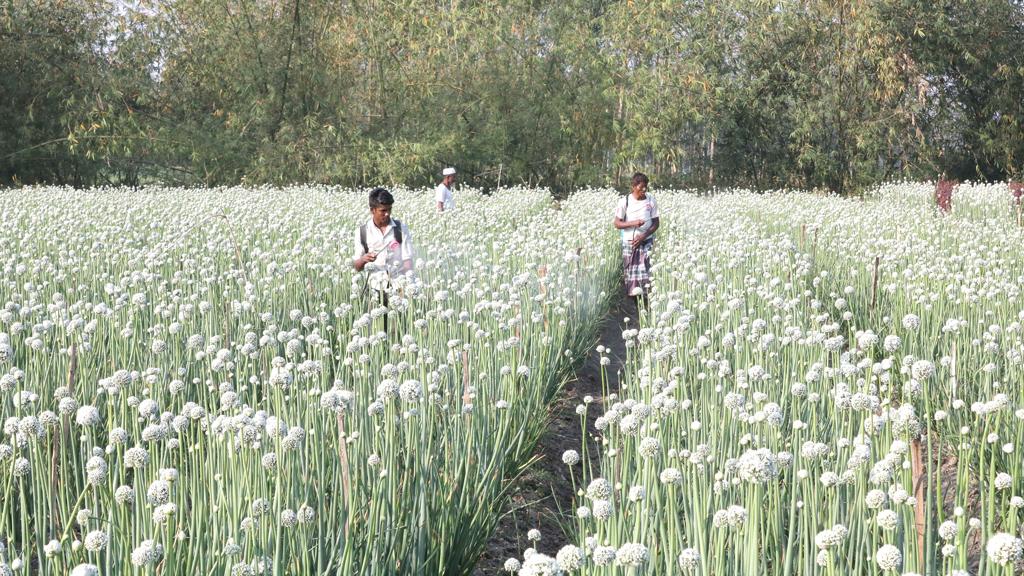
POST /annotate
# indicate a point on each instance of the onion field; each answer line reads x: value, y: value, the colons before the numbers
x: 197, y: 382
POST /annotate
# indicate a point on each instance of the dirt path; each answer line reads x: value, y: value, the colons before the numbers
x: 543, y: 497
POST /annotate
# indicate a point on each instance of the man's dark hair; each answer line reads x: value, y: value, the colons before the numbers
x: 640, y: 178
x: 381, y: 197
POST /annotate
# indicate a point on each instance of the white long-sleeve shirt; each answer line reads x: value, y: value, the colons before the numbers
x: 390, y: 254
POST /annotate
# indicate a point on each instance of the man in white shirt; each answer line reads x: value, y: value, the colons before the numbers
x: 382, y: 243
x: 444, y: 197
x: 383, y: 247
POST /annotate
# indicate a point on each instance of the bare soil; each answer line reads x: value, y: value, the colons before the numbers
x: 543, y: 497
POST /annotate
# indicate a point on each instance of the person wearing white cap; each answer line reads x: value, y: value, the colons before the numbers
x: 445, y: 198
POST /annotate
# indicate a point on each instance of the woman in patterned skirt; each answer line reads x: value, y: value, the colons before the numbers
x: 636, y: 217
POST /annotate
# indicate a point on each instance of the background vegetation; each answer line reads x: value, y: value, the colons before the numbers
x: 567, y: 93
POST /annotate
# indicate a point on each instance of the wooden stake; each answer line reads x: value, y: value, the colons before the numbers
x: 874, y: 285
x: 919, y: 479
x: 65, y: 431
x: 465, y: 378
x: 343, y: 455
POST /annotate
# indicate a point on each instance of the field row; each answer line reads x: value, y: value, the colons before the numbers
x: 822, y: 386
x: 198, y: 383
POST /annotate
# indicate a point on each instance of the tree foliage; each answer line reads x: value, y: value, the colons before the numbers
x: 811, y: 93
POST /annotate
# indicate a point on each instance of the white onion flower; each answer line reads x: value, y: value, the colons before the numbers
x: 948, y: 530
x: 671, y: 476
x: 124, y: 495
x: 87, y: 416
x: 158, y: 493
x: 570, y: 457
x: 875, y: 499
x: 602, y: 509
x: 649, y: 447
x: 96, y: 541
x: 136, y: 457
x: 911, y: 322
x: 1003, y: 548
x: 889, y: 557
x: 599, y: 489
x: 631, y: 554
x: 758, y: 466
x: 539, y: 565
x: 570, y: 558
x: 886, y: 519
x: 85, y: 570
x: 148, y: 552
x: 689, y: 559
x: 637, y: 493
x: 52, y: 548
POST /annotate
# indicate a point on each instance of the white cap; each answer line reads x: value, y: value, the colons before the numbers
x: 448, y: 172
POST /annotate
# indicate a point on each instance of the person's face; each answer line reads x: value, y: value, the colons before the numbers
x: 449, y: 180
x: 381, y: 215
x: 640, y: 191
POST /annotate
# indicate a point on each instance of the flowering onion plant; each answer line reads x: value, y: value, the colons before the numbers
x: 197, y: 382
x: 822, y: 386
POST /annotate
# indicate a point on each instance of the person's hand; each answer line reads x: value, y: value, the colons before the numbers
x: 638, y: 240
x: 368, y: 258
x: 637, y: 223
